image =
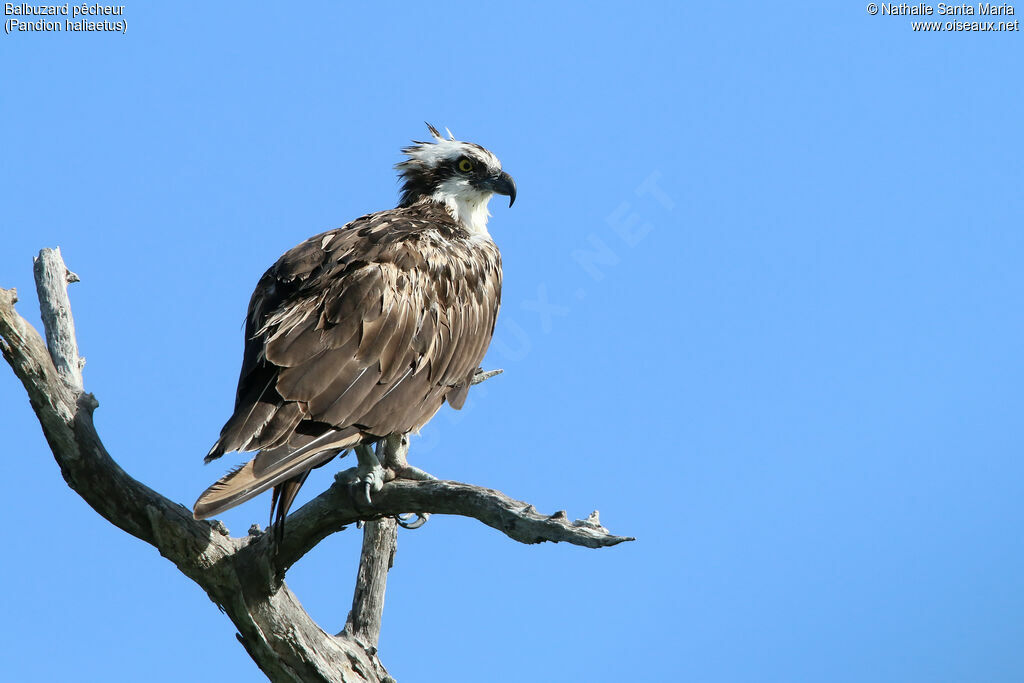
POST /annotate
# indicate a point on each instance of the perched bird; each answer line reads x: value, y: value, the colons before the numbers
x: 362, y: 332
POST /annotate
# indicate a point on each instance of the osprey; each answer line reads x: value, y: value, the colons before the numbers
x: 365, y: 331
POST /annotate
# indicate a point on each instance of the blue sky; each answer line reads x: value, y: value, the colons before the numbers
x: 792, y: 370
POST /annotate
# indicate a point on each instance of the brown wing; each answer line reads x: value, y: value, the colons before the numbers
x: 355, y: 334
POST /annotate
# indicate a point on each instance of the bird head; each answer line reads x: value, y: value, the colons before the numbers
x: 461, y: 175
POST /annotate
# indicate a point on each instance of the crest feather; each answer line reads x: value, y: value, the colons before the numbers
x: 435, y: 134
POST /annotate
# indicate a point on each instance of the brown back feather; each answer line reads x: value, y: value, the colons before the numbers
x: 360, y: 330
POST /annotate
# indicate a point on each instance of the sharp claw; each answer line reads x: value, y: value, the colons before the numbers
x: 421, y: 519
x: 369, y: 478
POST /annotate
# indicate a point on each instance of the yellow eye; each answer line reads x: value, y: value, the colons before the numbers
x: 465, y: 165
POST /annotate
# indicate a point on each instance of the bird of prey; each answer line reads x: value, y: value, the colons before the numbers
x: 363, y: 332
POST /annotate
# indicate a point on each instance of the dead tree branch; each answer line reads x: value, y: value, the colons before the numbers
x: 244, y: 576
x: 334, y: 509
x: 380, y: 540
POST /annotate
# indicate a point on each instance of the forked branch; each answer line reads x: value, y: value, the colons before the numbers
x: 244, y: 576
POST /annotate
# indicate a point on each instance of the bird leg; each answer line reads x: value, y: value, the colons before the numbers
x: 386, y: 464
x: 367, y: 478
x: 394, y: 458
x: 395, y: 449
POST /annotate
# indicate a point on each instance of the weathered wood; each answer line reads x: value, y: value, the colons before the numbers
x: 484, y: 375
x: 334, y: 510
x: 277, y: 633
x: 380, y: 538
x: 52, y: 280
x: 244, y: 576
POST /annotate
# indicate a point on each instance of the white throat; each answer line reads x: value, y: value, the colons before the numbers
x: 468, y: 207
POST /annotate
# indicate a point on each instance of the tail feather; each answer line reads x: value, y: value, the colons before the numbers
x: 284, y: 496
x: 270, y: 469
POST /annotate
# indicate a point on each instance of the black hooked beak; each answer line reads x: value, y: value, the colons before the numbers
x: 502, y: 184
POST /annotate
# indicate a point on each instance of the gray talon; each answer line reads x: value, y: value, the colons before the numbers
x: 367, y: 478
x: 421, y: 519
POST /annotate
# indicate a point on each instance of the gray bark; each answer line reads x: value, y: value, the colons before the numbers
x: 52, y: 279
x: 380, y: 541
x: 244, y: 576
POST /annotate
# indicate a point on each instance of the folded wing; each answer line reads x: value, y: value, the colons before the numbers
x: 355, y: 334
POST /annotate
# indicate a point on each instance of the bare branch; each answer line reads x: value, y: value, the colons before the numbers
x: 277, y: 633
x: 484, y: 375
x: 380, y: 539
x: 242, y: 575
x: 334, y: 509
x: 52, y: 279
x: 65, y: 414
x: 26, y: 353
